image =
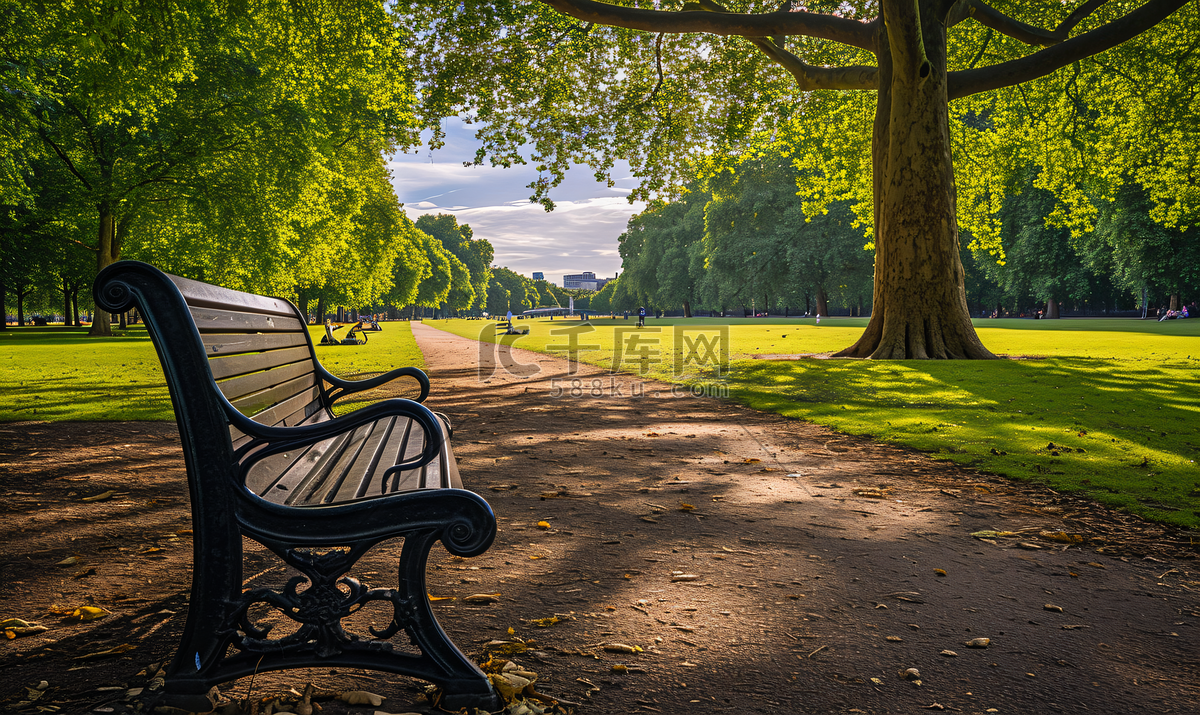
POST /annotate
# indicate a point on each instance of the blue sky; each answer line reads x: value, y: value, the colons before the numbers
x: 579, y: 235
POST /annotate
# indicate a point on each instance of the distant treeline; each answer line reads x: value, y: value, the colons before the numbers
x: 741, y: 241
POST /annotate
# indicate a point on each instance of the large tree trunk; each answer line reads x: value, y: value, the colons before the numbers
x: 687, y: 309
x: 822, y: 302
x: 1052, y: 309
x: 108, y: 251
x: 1174, y: 302
x: 919, y: 308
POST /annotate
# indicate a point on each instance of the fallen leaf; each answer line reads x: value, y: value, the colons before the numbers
x: 877, y: 681
x: 1028, y: 545
x: 69, y: 561
x: 652, y: 521
x: 506, y: 647
x: 686, y: 507
x: 544, y: 622
x: 989, y: 534
x: 620, y: 668
x: 89, y: 613
x: 361, y: 697
x: 504, y: 487
x: 482, y: 598
x: 751, y: 460
x: 151, y: 550
x: 620, y: 648
x: 940, y: 572
x: 16, y: 627
x: 894, y: 639
x: 441, y: 598
x: 1061, y: 536
x: 102, y: 496
x: 949, y: 654
x: 685, y: 577
x: 1052, y: 607
x: 979, y: 642
x: 910, y: 674
x: 870, y: 493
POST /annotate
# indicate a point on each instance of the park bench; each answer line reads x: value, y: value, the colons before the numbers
x: 267, y: 459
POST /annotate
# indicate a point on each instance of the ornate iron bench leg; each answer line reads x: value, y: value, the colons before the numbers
x: 462, y: 682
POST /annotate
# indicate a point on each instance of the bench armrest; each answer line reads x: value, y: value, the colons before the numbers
x: 343, y: 387
x: 271, y: 440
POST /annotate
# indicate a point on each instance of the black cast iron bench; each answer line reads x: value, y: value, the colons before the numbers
x: 267, y: 459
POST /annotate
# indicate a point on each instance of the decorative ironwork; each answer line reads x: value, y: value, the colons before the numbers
x: 319, y: 609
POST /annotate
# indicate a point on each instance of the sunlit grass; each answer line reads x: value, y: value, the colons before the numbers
x: 61, y: 374
x: 1118, y: 399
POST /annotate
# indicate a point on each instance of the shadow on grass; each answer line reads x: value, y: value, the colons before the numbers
x: 1126, y: 436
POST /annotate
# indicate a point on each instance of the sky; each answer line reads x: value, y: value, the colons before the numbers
x: 579, y: 235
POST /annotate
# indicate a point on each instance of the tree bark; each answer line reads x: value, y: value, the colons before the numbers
x: 687, y: 309
x: 1174, y: 302
x: 66, y: 289
x: 1052, y: 309
x: 75, y: 308
x: 822, y: 302
x: 108, y: 251
x: 919, y: 309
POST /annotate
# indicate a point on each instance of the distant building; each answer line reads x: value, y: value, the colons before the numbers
x: 539, y: 276
x: 586, y: 281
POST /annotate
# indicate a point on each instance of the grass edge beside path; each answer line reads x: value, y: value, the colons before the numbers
x: 1121, y: 427
x: 63, y: 375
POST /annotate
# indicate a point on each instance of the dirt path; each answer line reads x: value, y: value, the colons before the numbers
x: 824, y: 565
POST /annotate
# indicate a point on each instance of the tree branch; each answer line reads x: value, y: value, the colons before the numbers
x: 967, y: 82
x: 825, y: 27
x: 65, y: 159
x: 810, y: 77
x: 1030, y: 35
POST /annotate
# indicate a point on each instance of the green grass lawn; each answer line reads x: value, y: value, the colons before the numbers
x: 1117, y: 399
x: 62, y: 374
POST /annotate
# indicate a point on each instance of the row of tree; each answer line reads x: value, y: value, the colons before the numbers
x: 741, y: 240
x: 237, y: 143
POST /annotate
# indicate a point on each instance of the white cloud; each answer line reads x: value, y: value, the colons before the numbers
x: 579, y: 235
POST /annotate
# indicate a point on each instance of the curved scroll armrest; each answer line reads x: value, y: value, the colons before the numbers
x: 343, y: 387
x: 271, y: 440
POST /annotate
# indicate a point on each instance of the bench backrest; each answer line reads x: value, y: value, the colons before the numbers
x: 256, y: 348
x: 259, y: 352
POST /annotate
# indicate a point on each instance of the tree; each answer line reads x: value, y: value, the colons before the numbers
x: 149, y: 104
x: 475, y: 254
x: 656, y: 251
x: 522, y: 294
x: 1141, y: 253
x: 435, y: 288
x: 698, y: 93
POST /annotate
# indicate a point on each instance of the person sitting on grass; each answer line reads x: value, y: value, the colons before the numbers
x: 1169, y: 315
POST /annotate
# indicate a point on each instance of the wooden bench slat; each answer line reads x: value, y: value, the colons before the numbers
x: 351, y: 468
x: 260, y: 401
x: 235, y: 365
x: 232, y: 343
x: 228, y: 321
x: 326, y: 459
x: 239, y: 387
x: 211, y: 296
x: 364, y: 471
